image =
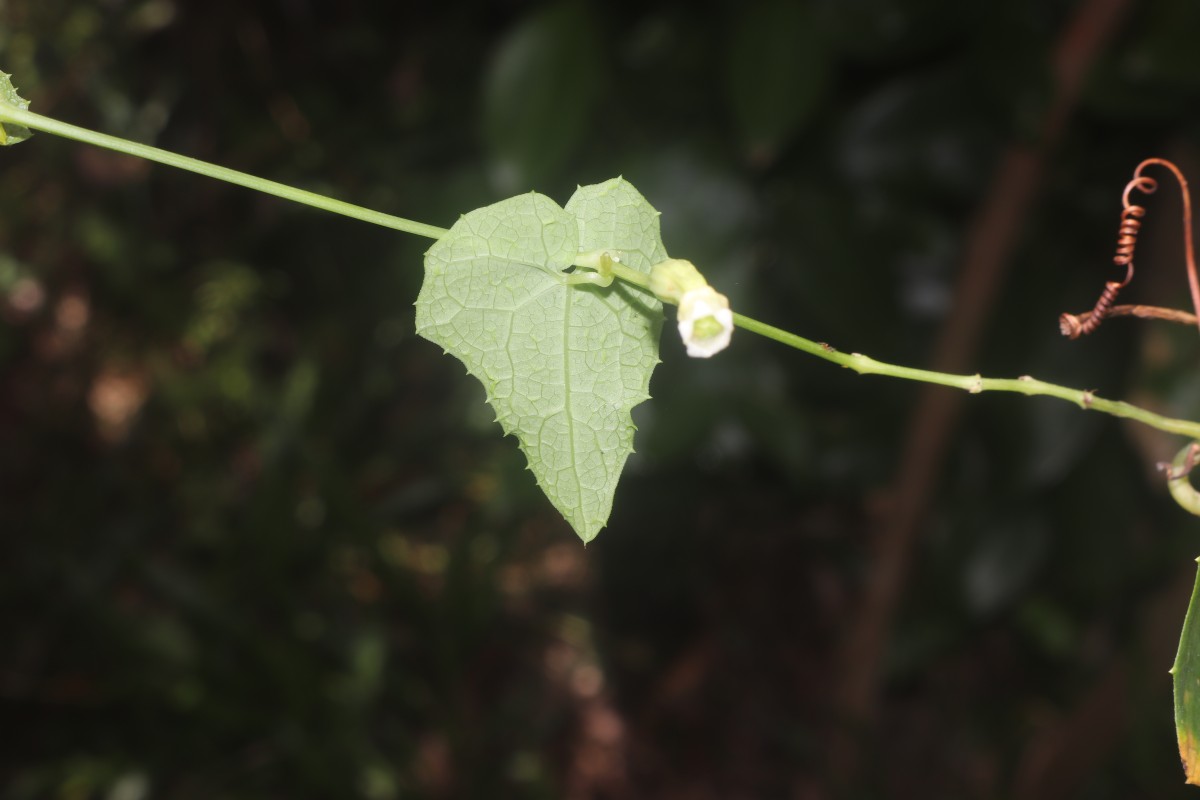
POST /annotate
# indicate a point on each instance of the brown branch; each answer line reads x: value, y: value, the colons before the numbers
x: 992, y: 237
x: 1189, y: 251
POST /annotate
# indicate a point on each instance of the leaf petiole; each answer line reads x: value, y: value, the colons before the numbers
x: 639, y: 279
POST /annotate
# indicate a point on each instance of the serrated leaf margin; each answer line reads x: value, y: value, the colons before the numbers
x: 616, y: 342
x: 11, y: 134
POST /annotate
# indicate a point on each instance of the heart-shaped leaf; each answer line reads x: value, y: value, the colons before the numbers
x: 562, y: 363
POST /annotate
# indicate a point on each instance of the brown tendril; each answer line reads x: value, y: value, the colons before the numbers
x: 1073, y: 325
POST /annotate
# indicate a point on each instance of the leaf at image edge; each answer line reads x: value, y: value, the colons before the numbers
x: 1186, y: 678
x: 12, y: 134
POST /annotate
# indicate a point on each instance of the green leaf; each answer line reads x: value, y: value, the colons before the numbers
x: 562, y: 363
x: 1186, y: 676
x: 776, y: 73
x: 10, y: 133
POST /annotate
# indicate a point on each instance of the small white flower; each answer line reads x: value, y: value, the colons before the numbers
x: 705, y: 321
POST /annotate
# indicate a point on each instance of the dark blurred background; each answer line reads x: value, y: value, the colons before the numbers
x: 258, y: 540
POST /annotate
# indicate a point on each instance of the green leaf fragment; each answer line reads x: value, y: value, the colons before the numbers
x: 1186, y: 676
x: 544, y: 87
x: 1179, y: 482
x: 777, y: 70
x: 10, y: 133
x: 563, y: 364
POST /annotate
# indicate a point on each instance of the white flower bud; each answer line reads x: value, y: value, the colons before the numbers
x: 670, y: 279
x: 705, y: 321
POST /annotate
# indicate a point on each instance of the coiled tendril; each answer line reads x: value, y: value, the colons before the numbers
x: 1073, y: 325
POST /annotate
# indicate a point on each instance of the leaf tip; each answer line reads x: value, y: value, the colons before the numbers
x: 1189, y: 754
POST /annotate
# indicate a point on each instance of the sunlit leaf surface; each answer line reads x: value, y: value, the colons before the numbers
x: 562, y: 364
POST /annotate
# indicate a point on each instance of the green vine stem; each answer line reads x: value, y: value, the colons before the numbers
x: 865, y: 365
x: 38, y: 122
x: 861, y: 364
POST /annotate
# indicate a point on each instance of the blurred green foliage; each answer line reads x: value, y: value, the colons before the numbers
x: 259, y: 540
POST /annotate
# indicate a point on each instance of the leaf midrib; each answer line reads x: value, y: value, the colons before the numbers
x: 568, y: 410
